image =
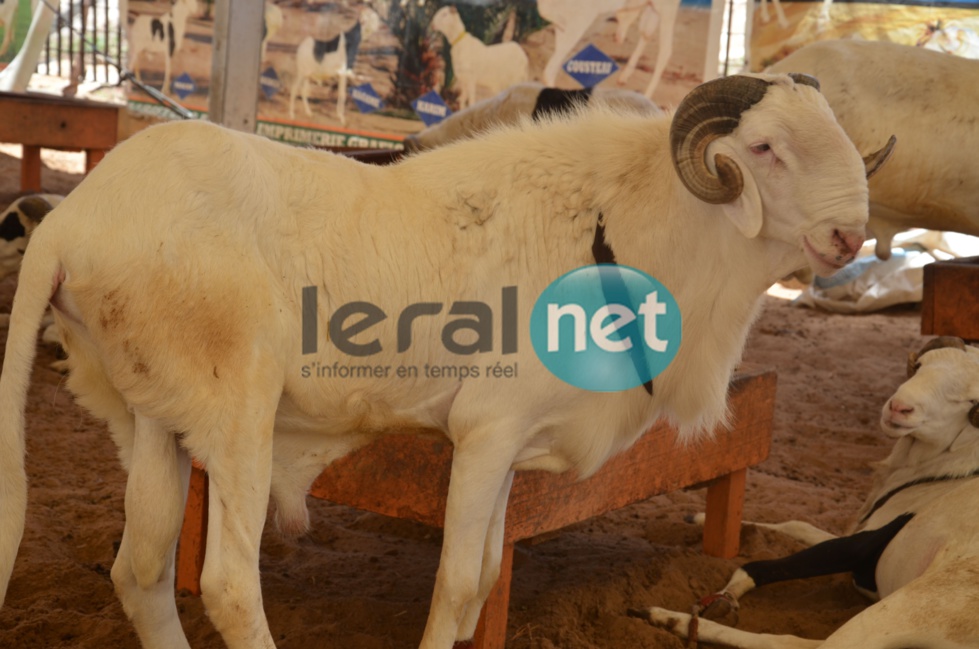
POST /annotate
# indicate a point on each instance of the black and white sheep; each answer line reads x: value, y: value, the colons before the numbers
x: 162, y: 35
x: 331, y: 59
x: 914, y: 544
x: 182, y: 302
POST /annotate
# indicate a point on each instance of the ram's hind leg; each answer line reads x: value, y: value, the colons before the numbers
x: 238, y: 459
x: 143, y: 572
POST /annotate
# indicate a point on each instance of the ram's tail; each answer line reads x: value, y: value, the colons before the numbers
x: 38, y: 279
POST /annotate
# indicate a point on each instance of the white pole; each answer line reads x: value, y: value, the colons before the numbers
x: 235, y: 63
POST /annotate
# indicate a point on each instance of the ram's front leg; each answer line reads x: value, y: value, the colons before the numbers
x: 478, y: 490
x: 492, y: 558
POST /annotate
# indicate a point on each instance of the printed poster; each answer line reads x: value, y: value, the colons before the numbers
x: 365, y: 74
x: 780, y: 27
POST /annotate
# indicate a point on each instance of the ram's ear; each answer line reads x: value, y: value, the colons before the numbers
x: 745, y: 210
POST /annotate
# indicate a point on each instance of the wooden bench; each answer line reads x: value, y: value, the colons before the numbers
x: 950, y: 299
x: 407, y: 477
x: 38, y: 121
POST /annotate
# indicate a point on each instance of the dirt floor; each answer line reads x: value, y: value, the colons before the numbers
x: 362, y: 581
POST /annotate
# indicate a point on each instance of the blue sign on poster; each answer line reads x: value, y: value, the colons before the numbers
x: 430, y: 108
x: 269, y: 81
x: 590, y: 66
x: 184, y: 86
x: 366, y: 98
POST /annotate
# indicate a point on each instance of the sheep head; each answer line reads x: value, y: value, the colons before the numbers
x: 769, y: 151
x: 940, y: 397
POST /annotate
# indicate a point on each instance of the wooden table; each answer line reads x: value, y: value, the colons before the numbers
x: 407, y: 477
x: 39, y: 121
x: 950, y: 299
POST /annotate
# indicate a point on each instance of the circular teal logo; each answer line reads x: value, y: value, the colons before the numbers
x: 605, y: 328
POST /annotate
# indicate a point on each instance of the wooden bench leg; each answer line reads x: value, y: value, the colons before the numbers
x: 725, y: 506
x: 30, y: 169
x: 193, y: 535
x: 491, y: 630
x: 92, y: 158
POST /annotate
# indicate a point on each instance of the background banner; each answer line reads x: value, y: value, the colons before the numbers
x: 365, y: 74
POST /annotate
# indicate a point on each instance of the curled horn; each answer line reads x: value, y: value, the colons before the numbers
x: 805, y: 79
x: 873, y: 161
x: 709, y: 111
x: 936, y: 343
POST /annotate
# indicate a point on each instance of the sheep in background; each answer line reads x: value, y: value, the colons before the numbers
x: 8, y: 11
x: 183, y: 298
x: 928, y: 100
x: 271, y: 25
x: 476, y: 64
x: 332, y: 59
x: 520, y: 102
x: 654, y: 16
x: 915, y: 543
x: 160, y: 35
x: 16, y: 224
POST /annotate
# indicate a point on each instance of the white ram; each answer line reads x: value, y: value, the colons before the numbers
x: 517, y: 103
x: 928, y: 100
x: 476, y: 64
x: 185, y: 329
x: 914, y: 544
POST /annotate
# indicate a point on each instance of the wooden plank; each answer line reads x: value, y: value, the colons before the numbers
x: 950, y: 300
x: 540, y: 501
x: 55, y: 122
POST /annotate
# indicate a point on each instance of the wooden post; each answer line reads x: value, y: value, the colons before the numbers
x: 30, y: 168
x: 233, y: 100
x: 491, y: 630
x: 725, y: 506
x: 193, y: 535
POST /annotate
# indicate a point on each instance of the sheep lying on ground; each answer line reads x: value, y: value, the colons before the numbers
x: 519, y: 102
x: 206, y: 305
x: 16, y: 224
x: 928, y: 100
x: 915, y: 543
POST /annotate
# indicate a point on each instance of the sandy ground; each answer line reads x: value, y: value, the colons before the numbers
x: 362, y: 581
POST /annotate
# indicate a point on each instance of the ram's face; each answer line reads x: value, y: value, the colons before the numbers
x: 810, y: 178
x: 769, y: 151
x: 934, y: 404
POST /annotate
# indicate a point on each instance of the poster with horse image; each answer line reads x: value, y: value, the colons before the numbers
x: 780, y: 27
x: 365, y: 74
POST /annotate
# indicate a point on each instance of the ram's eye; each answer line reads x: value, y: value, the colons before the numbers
x: 760, y: 148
